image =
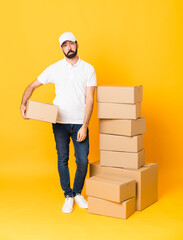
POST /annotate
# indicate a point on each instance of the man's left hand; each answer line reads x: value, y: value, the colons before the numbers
x: 82, y: 133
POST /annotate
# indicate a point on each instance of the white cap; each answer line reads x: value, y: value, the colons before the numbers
x: 66, y: 36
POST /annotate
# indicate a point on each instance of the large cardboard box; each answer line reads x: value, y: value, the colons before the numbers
x: 41, y: 111
x: 118, y: 110
x: 107, y: 208
x: 146, y: 178
x: 121, y: 143
x: 109, y: 187
x: 119, y: 94
x: 126, y: 127
x: 128, y: 160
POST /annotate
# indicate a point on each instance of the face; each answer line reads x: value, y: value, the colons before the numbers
x: 69, y: 49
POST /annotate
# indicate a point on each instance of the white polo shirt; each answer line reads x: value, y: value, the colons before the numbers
x: 70, y: 88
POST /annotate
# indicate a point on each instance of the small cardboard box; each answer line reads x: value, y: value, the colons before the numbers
x: 118, y: 110
x: 41, y: 111
x: 121, y: 143
x: 122, y: 126
x: 112, y: 188
x: 146, y: 178
x: 119, y: 94
x: 122, y: 159
x: 111, y: 209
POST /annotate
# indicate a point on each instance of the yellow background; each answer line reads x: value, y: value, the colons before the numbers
x: 129, y: 43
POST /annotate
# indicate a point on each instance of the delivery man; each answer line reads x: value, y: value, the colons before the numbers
x: 75, y: 83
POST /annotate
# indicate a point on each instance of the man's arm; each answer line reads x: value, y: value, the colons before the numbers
x: 27, y: 94
x: 82, y: 133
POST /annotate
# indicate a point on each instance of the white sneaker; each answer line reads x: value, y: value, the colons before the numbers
x: 80, y: 201
x: 68, y: 205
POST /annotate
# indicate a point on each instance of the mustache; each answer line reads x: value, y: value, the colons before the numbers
x: 70, y: 51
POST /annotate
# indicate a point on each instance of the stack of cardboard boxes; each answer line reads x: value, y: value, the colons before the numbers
x: 121, y: 182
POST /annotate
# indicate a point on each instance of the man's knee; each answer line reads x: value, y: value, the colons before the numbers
x: 63, y: 159
x: 82, y: 163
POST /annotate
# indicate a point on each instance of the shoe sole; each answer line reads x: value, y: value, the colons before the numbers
x: 67, y: 211
x: 80, y: 205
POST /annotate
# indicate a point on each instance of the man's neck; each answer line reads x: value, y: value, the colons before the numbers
x: 72, y: 60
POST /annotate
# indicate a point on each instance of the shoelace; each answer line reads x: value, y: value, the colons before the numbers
x: 67, y: 196
x: 67, y: 199
x: 82, y: 198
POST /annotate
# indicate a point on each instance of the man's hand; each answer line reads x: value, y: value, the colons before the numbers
x: 82, y: 133
x: 23, y: 111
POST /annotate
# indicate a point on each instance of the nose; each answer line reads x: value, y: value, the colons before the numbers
x: 69, y: 47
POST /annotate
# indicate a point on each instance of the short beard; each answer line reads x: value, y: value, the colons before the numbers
x: 71, y: 55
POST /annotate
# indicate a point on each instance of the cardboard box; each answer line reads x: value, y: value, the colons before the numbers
x: 118, y: 110
x: 107, y: 208
x: 122, y: 126
x: 109, y: 187
x: 122, y: 159
x: 121, y: 143
x: 146, y: 178
x: 41, y: 111
x: 119, y: 94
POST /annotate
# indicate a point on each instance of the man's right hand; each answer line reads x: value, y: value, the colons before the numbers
x: 23, y: 111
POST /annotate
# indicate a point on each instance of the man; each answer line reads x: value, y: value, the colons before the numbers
x: 75, y: 82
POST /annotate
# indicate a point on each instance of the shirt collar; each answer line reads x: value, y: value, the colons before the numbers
x: 78, y: 61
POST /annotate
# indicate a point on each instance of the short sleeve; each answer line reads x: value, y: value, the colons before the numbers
x: 92, y: 79
x: 46, y: 76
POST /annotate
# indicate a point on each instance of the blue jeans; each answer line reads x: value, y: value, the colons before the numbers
x: 62, y: 133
